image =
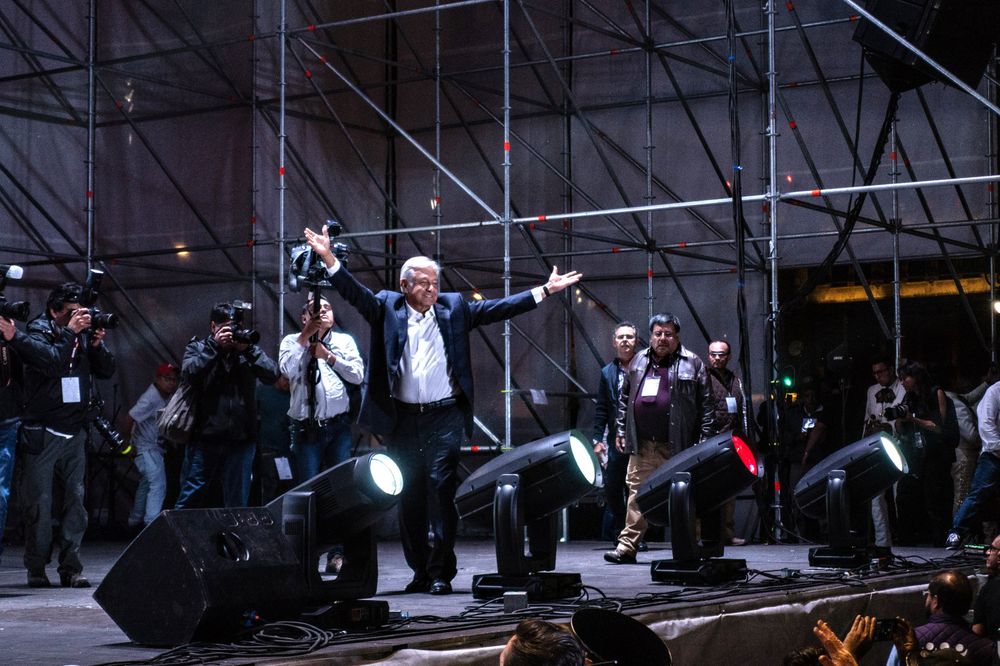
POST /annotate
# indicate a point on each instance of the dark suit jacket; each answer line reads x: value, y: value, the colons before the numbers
x: 606, y: 411
x: 386, y: 314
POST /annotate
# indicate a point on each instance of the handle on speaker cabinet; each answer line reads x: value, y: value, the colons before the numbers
x: 231, y: 546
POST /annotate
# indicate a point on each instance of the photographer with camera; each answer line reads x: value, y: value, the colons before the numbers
x: 10, y: 413
x: 321, y: 425
x: 62, y: 351
x: 928, y: 430
x: 885, y: 394
x: 223, y: 368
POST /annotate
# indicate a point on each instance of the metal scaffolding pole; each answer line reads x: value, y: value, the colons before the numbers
x: 897, y: 306
x: 507, y: 413
x: 772, y: 199
x: 91, y: 120
x: 648, y: 72
x: 282, y: 135
x: 991, y: 202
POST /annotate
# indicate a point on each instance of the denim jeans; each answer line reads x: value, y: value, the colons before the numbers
x: 229, y: 461
x: 8, y: 441
x: 329, y: 445
x: 152, y: 487
x: 984, y: 489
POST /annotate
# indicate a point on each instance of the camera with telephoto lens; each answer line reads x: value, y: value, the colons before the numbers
x: 19, y: 310
x: 108, y: 432
x: 246, y: 336
x: 88, y: 299
x: 307, y: 268
x: 899, y: 411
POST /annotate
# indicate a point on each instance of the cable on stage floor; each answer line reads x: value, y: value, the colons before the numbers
x: 298, y: 638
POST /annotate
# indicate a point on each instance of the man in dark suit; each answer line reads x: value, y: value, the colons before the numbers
x: 420, y: 393
x: 623, y: 340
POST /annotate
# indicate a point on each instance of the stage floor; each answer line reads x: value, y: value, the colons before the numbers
x: 771, y: 613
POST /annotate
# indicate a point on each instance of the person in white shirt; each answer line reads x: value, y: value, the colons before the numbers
x: 887, y: 391
x: 141, y: 423
x: 320, y: 404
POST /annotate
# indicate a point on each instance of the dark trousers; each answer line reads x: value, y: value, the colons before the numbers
x: 62, y: 461
x: 426, y: 447
x: 615, y: 494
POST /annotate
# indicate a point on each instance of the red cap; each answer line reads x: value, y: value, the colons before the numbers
x: 165, y: 369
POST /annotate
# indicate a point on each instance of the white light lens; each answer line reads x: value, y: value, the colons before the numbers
x: 386, y: 475
x: 893, y: 452
x: 584, y: 459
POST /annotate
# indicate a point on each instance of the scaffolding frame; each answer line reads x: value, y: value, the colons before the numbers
x: 316, y: 39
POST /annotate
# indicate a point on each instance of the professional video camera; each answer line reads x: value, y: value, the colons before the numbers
x: 247, y: 336
x: 307, y: 268
x: 19, y: 310
x: 91, y: 291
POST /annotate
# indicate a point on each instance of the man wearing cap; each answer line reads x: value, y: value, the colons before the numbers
x: 141, y: 423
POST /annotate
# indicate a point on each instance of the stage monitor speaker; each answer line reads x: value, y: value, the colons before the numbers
x: 203, y: 575
x: 958, y: 34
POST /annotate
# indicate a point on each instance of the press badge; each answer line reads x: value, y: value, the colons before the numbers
x: 283, y: 468
x: 731, y: 404
x: 650, y: 387
x: 70, y: 389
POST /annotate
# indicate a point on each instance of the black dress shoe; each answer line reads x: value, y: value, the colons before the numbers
x: 642, y: 547
x: 440, y: 587
x: 953, y: 541
x: 417, y: 585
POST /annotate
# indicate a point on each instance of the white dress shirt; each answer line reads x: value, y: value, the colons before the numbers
x: 423, y: 369
x: 332, y: 399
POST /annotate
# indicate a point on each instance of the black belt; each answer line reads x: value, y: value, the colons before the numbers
x: 421, y: 407
x: 339, y: 418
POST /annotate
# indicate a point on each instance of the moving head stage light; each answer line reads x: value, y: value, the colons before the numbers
x: 526, y: 488
x: 697, y: 480
x: 340, y: 506
x: 846, y: 480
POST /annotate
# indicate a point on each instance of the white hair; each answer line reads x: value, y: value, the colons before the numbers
x: 413, y: 264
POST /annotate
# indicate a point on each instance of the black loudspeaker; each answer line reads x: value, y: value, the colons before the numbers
x: 203, y: 575
x: 958, y: 34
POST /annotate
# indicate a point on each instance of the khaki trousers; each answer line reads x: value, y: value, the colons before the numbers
x: 651, y: 455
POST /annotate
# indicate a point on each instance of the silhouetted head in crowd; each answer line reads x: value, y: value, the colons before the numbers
x: 949, y: 592
x: 540, y: 643
x: 804, y: 657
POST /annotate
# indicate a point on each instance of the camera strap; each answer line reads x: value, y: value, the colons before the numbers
x: 6, y: 366
x: 72, y: 354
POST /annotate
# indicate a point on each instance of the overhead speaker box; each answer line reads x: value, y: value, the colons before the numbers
x: 958, y: 34
x: 203, y: 575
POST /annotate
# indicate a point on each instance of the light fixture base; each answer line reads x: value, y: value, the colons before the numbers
x: 712, y: 571
x: 844, y: 557
x: 540, y: 586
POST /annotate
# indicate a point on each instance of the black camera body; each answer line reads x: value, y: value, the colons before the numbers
x: 899, y: 411
x: 88, y: 299
x: 19, y: 310
x: 242, y: 335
